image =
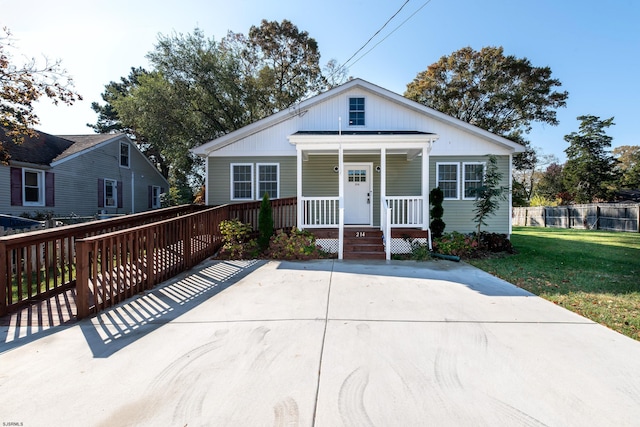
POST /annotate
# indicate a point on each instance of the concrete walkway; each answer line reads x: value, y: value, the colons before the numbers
x: 324, y: 343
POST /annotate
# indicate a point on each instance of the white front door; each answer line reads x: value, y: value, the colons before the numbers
x: 358, y: 193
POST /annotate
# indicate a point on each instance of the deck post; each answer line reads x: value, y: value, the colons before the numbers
x: 299, y: 203
x: 383, y: 182
x: 4, y: 279
x: 425, y: 188
x: 82, y: 279
x: 341, y: 233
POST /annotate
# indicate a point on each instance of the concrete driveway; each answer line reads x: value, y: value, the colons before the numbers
x: 324, y: 343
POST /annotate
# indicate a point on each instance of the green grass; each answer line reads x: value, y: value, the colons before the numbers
x: 593, y: 273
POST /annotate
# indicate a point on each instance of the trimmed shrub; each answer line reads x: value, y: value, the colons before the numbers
x: 295, y: 245
x: 437, y: 225
x: 454, y: 243
x: 265, y: 222
x: 237, y: 243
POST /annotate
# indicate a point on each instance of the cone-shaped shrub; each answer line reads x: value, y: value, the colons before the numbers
x: 265, y: 222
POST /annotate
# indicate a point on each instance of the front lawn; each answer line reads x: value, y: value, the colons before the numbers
x: 593, y: 273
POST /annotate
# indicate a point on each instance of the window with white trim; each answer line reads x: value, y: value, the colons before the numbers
x: 356, y: 111
x: 268, y: 180
x: 473, y: 177
x: 33, y: 187
x: 125, y: 151
x: 447, y: 179
x: 110, y: 193
x: 241, y: 181
x: 155, y: 197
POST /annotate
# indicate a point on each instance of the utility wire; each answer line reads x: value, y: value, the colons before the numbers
x: 393, y: 31
x: 375, y: 34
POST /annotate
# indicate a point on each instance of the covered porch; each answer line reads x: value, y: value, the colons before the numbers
x: 363, y: 179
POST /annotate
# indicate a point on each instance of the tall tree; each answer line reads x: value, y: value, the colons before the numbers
x: 501, y: 94
x: 628, y: 157
x: 199, y: 89
x: 590, y: 171
x: 550, y: 186
x: 498, y: 93
x: 22, y: 85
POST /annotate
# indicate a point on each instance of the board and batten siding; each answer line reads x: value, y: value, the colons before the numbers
x: 458, y: 214
x: 219, y: 171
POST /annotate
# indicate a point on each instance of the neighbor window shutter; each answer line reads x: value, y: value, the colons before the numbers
x: 16, y: 187
x: 101, y: 193
x: 50, y: 189
x: 150, y: 194
x: 120, y: 187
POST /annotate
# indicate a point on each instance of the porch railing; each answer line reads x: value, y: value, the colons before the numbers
x: 318, y: 212
x: 385, y: 225
x: 42, y: 263
x: 406, y: 211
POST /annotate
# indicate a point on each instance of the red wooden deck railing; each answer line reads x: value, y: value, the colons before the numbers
x: 39, y: 264
x: 115, y: 266
x: 110, y: 260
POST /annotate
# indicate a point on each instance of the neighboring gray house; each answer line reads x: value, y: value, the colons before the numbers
x: 79, y: 174
x: 362, y: 150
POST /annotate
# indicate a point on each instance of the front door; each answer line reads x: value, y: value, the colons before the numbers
x: 358, y: 193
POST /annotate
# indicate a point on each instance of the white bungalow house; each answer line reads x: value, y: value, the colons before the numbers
x: 360, y: 158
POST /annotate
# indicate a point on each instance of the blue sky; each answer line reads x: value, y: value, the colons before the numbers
x: 593, y: 47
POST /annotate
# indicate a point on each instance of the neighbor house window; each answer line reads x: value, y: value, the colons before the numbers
x: 356, y: 111
x: 241, y: 181
x: 268, y: 181
x: 447, y: 179
x: 124, y: 154
x: 155, y: 196
x: 110, y: 193
x: 33, y: 187
x: 473, y: 177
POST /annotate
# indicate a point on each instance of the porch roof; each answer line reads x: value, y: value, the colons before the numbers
x: 410, y: 142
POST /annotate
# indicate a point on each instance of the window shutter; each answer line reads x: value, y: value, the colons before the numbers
x: 100, y: 193
x: 150, y: 194
x: 50, y: 189
x: 16, y: 187
x: 120, y: 187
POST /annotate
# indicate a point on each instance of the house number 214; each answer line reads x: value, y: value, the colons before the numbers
x: 360, y: 233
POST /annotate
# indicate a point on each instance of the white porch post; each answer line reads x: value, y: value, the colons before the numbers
x: 299, y: 187
x: 341, y: 201
x: 383, y: 182
x: 425, y: 188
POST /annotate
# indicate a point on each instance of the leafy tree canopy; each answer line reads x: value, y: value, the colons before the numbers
x: 199, y: 89
x: 22, y: 85
x: 498, y: 93
x: 590, y: 171
x: 628, y: 157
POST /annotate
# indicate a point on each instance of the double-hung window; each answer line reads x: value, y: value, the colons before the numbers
x: 33, y: 187
x: 447, y: 179
x: 110, y: 193
x: 155, y: 197
x: 241, y: 181
x: 473, y: 177
x: 268, y: 181
x: 124, y: 154
x: 356, y: 111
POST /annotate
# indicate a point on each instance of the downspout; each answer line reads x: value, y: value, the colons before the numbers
x: 133, y: 192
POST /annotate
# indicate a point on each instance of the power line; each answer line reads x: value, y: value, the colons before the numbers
x: 393, y: 31
x: 375, y: 34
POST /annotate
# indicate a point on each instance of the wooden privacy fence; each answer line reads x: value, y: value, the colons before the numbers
x: 39, y: 264
x: 605, y: 216
x: 115, y: 266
